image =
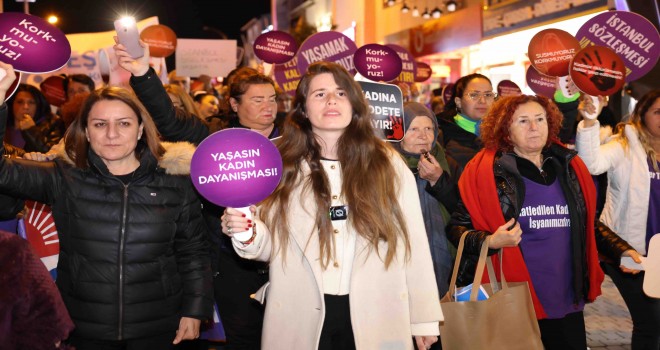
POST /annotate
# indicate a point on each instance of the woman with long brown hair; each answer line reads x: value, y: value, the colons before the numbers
x: 350, y: 265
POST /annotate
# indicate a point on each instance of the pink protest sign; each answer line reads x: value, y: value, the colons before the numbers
x: 377, y: 62
x: 327, y: 46
x: 508, y: 88
x: 541, y: 84
x: 31, y: 44
x: 630, y: 35
x: 551, y: 50
x: 275, y: 47
x: 236, y: 168
x: 287, y: 76
x: 598, y: 71
x: 409, y: 65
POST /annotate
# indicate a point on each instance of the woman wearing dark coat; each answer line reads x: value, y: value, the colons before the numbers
x: 536, y: 199
x: 435, y: 175
x: 133, y: 266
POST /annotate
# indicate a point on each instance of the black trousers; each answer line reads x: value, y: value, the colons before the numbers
x: 160, y: 341
x: 242, y: 317
x: 644, y: 311
x: 568, y: 333
x: 337, y: 332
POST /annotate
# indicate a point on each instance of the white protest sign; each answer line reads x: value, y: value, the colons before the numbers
x: 195, y: 57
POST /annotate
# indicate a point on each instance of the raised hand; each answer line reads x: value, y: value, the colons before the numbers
x: 429, y: 168
x: 136, y: 66
x: 6, y: 80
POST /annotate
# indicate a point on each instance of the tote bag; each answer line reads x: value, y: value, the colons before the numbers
x: 506, y: 320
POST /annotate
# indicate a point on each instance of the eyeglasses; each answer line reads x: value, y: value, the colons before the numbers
x: 476, y: 96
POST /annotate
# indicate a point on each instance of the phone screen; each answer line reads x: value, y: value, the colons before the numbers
x: 128, y: 35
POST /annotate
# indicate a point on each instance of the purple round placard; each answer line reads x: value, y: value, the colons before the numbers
x: 377, y: 62
x: 287, y: 76
x: 541, y: 84
x: 408, y: 62
x: 629, y: 35
x: 508, y: 88
x: 236, y: 168
x: 275, y: 47
x: 447, y: 92
x: 31, y: 44
x: 327, y: 46
x: 423, y: 72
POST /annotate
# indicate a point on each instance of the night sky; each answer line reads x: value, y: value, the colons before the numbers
x: 185, y: 17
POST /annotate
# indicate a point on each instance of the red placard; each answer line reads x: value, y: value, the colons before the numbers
x: 598, y: 71
x: 551, y: 51
x: 53, y: 89
x: 161, y: 40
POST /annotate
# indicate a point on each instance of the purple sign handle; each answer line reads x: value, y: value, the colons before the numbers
x: 236, y: 168
x: 32, y: 45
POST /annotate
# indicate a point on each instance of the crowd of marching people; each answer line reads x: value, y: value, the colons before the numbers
x: 144, y: 258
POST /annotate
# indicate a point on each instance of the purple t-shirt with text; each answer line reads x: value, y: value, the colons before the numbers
x: 546, y: 247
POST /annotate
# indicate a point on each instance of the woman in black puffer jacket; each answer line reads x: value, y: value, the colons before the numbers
x: 134, y: 268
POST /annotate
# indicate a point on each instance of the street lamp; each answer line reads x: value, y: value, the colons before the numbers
x: 436, y: 13
x: 52, y: 19
x: 451, y: 6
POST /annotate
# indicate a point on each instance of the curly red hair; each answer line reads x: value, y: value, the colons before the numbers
x: 495, y: 125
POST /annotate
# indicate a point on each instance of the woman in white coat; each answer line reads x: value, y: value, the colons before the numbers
x: 350, y: 266
x: 632, y: 203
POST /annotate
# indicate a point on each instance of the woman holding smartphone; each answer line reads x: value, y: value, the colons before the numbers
x: 134, y: 269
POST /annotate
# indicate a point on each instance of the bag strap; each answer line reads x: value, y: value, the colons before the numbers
x: 454, y: 274
x: 485, y: 260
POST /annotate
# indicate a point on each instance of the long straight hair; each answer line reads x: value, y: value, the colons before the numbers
x: 639, y: 123
x: 369, y: 181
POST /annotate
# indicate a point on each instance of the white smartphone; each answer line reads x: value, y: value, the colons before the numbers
x: 631, y: 264
x: 128, y: 35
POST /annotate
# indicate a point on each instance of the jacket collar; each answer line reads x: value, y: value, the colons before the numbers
x: 175, y: 160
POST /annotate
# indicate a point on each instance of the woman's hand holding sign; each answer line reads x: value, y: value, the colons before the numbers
x: 7, y: 80
x: 234, y: 220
